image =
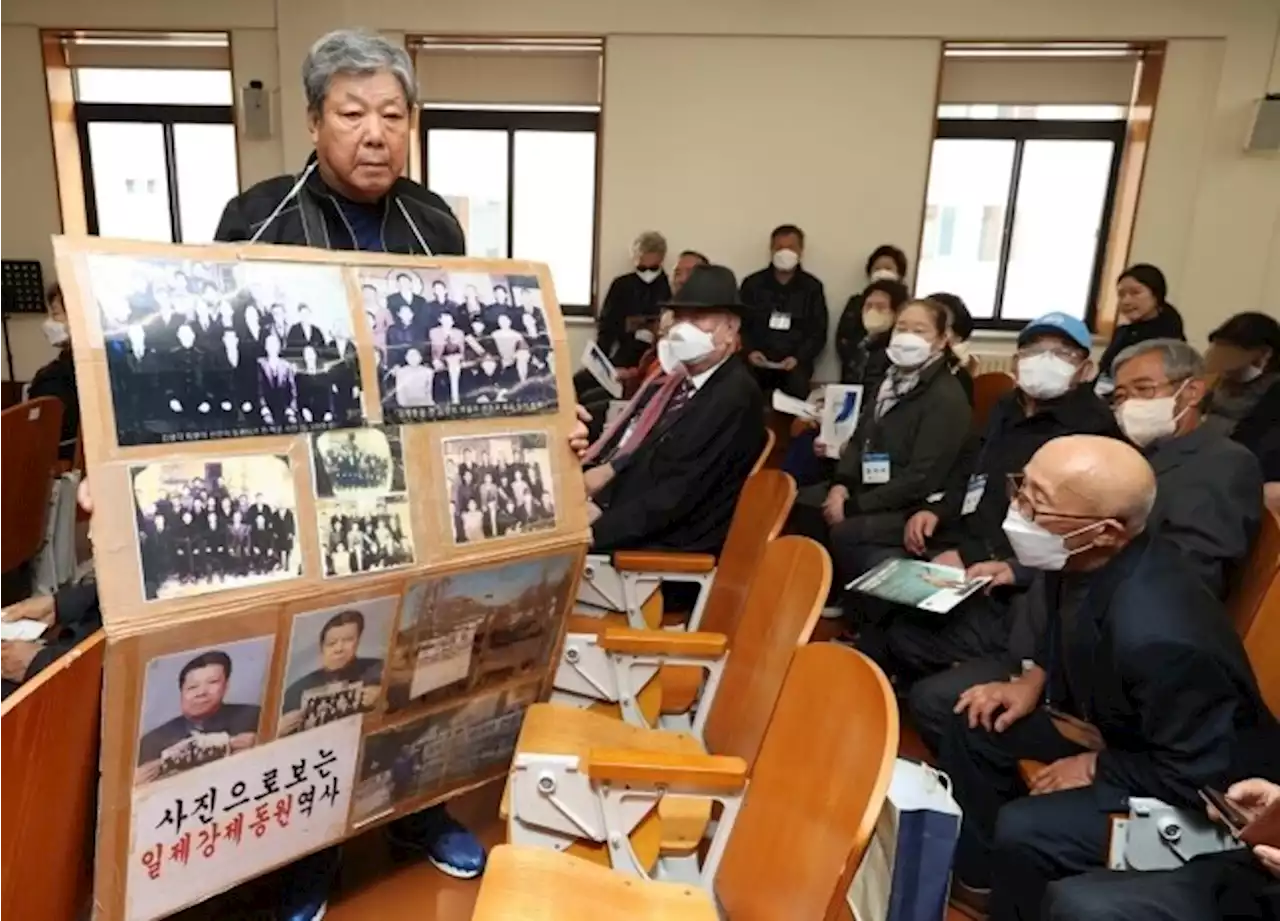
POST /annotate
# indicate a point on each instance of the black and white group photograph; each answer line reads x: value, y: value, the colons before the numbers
x: 201, y: 349
x: 208, y: 525
x: 459, y: 345
x: 498, y: 486
x: 201, y: 705
x: 362, y: 507
x: 336, y: 657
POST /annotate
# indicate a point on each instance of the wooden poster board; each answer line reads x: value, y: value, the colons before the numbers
x: 230, y: 541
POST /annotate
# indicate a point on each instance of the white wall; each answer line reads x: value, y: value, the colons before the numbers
x: 727, y: 138
x: 1210, y: 215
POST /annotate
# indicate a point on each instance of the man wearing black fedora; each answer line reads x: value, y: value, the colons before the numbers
x: 667, y: 472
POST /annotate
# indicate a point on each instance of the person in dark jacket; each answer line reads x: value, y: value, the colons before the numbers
x: 58, y: 378
x: 1245, y: 354
x: 913, y: 427
x: 1147, y: 314
x: 1138, y: 657
x: 959, y: 329
x: 866, y: 361
x: 667, y: 473
x: 72, y: 615
x: 886, y: 263
x: 631, y: 307
x: 1209, y: 504
x: 352, y: 195
x: 1259, y: 431
x: 785, y: 327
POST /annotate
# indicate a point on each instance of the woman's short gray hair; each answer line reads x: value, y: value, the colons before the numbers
x: 352, y: 51
x: 649, y: 242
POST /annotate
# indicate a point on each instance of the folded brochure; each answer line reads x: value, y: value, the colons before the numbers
x: 922, y: 585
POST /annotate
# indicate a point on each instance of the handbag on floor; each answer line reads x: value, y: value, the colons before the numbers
x: 906, y: 871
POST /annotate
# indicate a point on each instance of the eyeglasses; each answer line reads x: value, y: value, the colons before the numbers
x: 1146, y: 390
x: 1016, y: 489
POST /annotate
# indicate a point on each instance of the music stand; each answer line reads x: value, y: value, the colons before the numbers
x: 22, y: 287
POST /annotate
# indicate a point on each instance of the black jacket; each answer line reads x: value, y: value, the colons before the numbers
x: 1010, y: 439
x: 58, y: 379
x: 1259, y: 431
x: 850, y: 332
x: 678, y: 489
x: 802, y: 299
x: 629, y: 297
x: 866, y: 362
x: 922, y: 434
x: 1156, y: 665
x: 414, y: 220
x: 1167, y: 324
x: 1208, y: 502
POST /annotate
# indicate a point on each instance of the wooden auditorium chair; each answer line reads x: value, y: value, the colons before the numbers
x: 988, y: 388
x: 30, y: 432
x: 628, y: 582
x: 788, y: 843
x: 741, y: 694
x: 49, y: 750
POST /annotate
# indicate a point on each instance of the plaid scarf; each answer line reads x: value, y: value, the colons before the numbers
x: 899, y: 382
x: 666, y: 389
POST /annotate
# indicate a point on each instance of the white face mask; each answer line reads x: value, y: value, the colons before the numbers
x: 1147, y: 421
x: 877, y: 321
x: 784, y: 260
x: 648, y: 276
x: 884, y: 275
x: 56, y: 332
x: 684, y: 344
x: 1037, y: 547
x: 1045, y: 376
x: 907, y: 350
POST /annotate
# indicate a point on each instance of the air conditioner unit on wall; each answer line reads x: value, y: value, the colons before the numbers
x: 1264, y: 133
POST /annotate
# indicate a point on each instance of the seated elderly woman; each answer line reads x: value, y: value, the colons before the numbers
x: 913, y: 428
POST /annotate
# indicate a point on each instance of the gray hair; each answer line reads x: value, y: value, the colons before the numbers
x: 1180, y: 360
x: 649, y: 242
x: 353, y: 51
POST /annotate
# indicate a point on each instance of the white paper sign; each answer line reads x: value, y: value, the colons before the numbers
x: 205, y: 830
x: 841, y: 407
x: 23, y: 629
x: 597, y: 362
x: 785, y: 403
x: 443, y: 660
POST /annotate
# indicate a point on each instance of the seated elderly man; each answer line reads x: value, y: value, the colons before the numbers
x: 667, y: 472
x: 1209, y: 496
x: 1136, y: 645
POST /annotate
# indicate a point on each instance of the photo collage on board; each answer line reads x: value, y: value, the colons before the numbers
x: 362, y: 500
x: 459, y: 345
x: 197, y: 350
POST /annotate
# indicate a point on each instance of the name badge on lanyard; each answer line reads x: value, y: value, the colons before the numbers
x: 973, y: 493
x: 875, y: 469
x: 780, y: 321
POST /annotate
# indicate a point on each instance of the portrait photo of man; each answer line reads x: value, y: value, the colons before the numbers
x: 219, y: 702
x: 336, y: 658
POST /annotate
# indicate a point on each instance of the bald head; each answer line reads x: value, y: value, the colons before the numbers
x: 1092, y: 477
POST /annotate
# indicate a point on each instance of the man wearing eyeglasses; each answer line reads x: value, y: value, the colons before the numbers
x: 1138, y: 686
x: 963, y: 529
x: 1209, y: 501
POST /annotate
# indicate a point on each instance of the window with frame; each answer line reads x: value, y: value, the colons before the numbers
x: 157, y: 150
x: 1017, y: 209
x: 523, y: 184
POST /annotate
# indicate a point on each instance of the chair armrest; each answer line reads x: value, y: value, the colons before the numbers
x: 660, y: 561
x: 664, y: 643
x: 1028, y: 769
x: 691, y: 772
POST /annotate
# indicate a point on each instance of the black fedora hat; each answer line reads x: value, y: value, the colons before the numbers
x: 709, y: 287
